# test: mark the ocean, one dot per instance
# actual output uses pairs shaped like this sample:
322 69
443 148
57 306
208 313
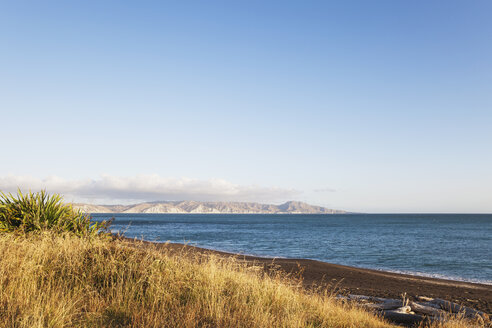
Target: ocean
452 246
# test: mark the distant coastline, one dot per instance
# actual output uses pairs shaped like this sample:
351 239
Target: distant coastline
195 207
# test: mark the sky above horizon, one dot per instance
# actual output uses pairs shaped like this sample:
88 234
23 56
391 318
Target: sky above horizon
367 106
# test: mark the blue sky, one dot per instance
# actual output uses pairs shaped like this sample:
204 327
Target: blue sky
377 106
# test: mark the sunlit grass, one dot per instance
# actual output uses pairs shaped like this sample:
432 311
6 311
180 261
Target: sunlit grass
53 280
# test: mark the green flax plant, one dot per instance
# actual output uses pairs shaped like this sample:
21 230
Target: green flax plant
31 212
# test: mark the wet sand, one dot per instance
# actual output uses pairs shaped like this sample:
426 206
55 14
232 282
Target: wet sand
350 280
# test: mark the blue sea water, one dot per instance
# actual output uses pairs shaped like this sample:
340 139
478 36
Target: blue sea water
454 246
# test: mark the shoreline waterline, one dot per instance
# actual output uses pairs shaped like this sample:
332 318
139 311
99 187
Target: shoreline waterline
455 247
415 274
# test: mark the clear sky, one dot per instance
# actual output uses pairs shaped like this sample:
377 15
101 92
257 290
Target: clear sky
375 106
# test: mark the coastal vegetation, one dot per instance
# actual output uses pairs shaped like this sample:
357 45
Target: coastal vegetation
59 269
24 213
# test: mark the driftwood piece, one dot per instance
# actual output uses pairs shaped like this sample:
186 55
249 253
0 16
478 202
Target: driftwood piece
456 308
430 304
359 297
410 313
342 298
425 299
447 305
388 305
472 313
354 297
380 299
428 310
400 317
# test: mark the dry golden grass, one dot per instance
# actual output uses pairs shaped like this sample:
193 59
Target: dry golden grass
458 323
50 280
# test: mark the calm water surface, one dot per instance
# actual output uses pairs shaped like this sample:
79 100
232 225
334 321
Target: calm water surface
453 246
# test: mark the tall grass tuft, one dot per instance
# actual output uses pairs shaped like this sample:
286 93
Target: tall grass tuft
39 211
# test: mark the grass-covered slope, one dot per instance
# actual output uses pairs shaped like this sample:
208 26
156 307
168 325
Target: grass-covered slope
53 280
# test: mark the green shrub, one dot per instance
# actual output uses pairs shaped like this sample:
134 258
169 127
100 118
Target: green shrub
40 211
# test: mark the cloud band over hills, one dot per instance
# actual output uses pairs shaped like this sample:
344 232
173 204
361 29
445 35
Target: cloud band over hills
112 189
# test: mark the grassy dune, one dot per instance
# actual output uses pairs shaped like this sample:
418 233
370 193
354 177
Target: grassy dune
58 270
53 280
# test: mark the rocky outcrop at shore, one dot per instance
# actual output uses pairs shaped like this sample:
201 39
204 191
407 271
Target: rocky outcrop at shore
291 207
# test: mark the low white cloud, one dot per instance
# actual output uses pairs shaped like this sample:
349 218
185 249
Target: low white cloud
112 189
325 190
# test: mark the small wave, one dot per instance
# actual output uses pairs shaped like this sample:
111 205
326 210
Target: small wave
436 276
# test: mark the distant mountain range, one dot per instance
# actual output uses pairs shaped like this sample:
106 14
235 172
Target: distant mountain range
292 207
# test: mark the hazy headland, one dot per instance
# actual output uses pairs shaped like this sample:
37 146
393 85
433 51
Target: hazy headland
291 207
